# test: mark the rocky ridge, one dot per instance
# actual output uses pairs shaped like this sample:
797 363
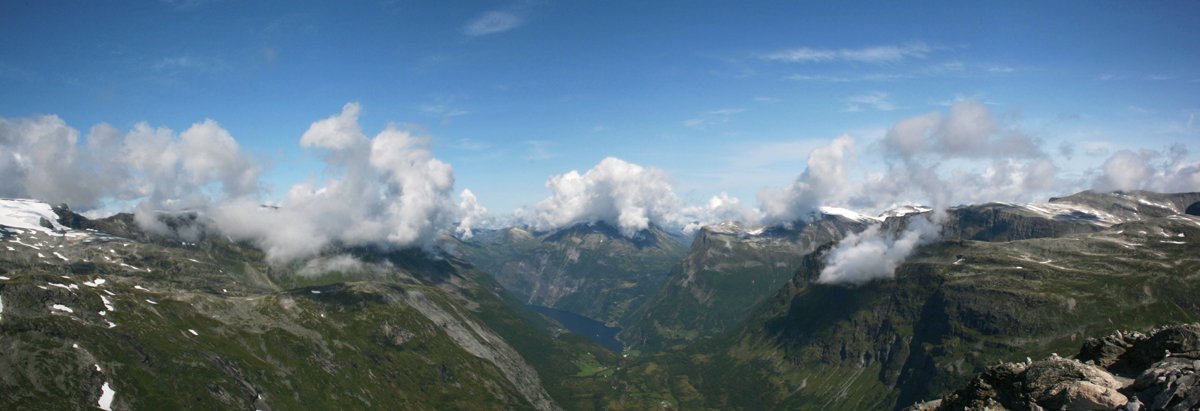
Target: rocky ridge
1125 371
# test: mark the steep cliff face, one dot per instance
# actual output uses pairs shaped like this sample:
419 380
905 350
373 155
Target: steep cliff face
589 269
954 308
92 319
728 271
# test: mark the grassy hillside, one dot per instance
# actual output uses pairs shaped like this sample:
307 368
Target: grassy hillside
954 308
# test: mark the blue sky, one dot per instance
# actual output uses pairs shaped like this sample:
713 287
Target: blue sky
723 96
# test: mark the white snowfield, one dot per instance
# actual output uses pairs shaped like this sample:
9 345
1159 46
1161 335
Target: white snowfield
850 215
28 214
1070 212
904 210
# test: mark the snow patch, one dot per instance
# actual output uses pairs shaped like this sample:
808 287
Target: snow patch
192 331
56 254
904 210
850 214
1174 242
4 278
61 307
151 302
106 397
138 287
108 305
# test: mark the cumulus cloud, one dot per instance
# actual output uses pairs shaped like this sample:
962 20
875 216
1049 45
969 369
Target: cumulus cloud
719 208
39 159
625 195
1149 170
969 130
152 166
825 178
996 162
629 197
387 190
872 255
472 215
876 54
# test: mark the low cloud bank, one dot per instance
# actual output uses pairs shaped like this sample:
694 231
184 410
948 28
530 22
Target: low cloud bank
1151 170
873 255
386 190
163 171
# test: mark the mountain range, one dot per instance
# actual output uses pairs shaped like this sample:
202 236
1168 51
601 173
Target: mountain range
101 313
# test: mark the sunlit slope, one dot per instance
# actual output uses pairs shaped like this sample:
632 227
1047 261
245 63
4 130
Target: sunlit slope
207 324
728 271
954 307
588 269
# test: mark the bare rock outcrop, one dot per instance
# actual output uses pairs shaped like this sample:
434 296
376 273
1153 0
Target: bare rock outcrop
1126 371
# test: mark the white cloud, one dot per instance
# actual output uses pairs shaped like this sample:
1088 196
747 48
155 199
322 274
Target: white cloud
719 208
874 255
877 100
153 166
877 54
1144 170
629 197
625 195
712 118
472 215
825 177
969 130
495 21
938 159
338 263
387 190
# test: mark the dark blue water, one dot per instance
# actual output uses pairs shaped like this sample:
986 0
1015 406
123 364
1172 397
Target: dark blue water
597 331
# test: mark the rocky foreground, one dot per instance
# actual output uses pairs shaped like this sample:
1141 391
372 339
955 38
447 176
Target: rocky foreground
1124 371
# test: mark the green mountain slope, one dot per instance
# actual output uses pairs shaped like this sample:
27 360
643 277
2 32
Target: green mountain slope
728 271
170 324
588 269
955 307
